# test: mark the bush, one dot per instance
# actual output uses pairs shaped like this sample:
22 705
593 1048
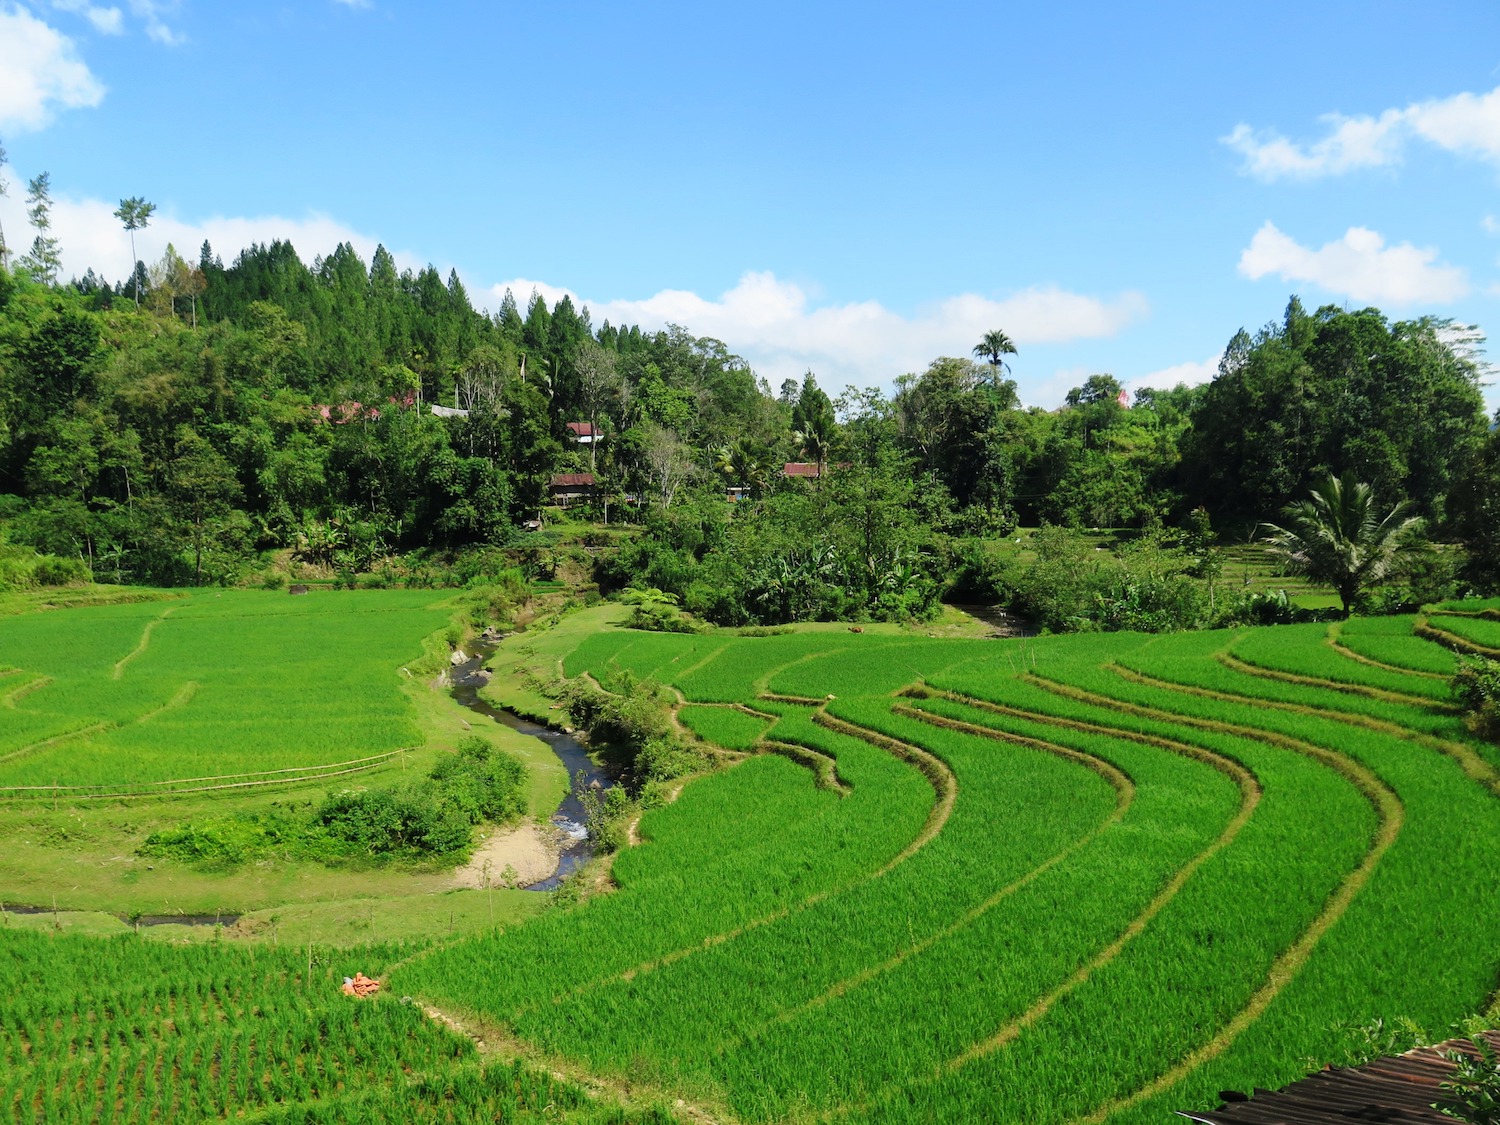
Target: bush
430 817
631 724
1477 687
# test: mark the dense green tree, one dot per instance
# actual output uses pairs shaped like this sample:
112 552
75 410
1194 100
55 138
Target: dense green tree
1476 513
954 420
1332 392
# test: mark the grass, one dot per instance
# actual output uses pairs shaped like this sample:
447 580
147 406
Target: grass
1337 819
1080 878
279 682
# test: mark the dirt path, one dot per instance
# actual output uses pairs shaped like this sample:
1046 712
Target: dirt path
119 671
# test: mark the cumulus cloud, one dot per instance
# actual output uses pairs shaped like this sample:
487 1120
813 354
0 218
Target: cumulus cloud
1359 266
1466 124
92 238
782 333
1189 374
40 72
773 323
1352 142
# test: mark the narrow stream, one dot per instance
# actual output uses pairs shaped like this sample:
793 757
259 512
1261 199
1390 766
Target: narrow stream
468 678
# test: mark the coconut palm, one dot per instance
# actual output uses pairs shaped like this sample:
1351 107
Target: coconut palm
995 346
1340 537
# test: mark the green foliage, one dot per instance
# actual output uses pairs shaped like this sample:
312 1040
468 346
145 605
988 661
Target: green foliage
1476 686
1476 514
1335 392
1472 1094
430 817
1341 536
655 611
1148 585
629 721
24 569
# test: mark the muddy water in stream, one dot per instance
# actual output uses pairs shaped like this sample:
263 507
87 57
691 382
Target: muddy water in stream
467 679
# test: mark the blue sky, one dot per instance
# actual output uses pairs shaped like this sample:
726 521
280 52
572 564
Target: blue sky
851 188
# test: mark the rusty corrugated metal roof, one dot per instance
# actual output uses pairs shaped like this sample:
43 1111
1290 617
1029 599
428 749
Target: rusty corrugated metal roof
1398 1089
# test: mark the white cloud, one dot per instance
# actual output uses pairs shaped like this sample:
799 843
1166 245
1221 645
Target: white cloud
152 12
39 72
355 3
1490 225
1188 374
1466 124
1359 266
774 325
1352 142
106 21
92 238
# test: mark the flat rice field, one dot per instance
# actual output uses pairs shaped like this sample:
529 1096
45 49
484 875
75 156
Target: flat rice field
1064 879
207 691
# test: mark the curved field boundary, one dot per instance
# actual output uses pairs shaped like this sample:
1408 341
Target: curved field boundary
794 700
937 772
823 766
1118 780
1424 628
1245 668
1338 646
1250 796
21 691
55 740
747 709
119 670
232 780
1390 815
944 784
183 697
1473 765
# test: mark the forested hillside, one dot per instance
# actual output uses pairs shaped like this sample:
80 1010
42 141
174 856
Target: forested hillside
178 427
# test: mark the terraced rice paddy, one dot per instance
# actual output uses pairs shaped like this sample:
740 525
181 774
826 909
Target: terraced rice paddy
1063 879
1066 879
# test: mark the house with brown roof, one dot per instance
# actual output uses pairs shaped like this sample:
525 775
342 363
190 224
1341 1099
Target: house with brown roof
566 488
584 433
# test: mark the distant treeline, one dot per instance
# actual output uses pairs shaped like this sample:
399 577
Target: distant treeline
172 428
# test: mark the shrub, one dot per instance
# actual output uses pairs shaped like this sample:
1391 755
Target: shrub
430 817
1477 686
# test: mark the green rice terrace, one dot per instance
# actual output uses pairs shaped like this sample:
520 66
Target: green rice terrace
1084 878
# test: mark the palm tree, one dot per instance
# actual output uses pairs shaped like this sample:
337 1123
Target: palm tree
994 347
816 442
1339 536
